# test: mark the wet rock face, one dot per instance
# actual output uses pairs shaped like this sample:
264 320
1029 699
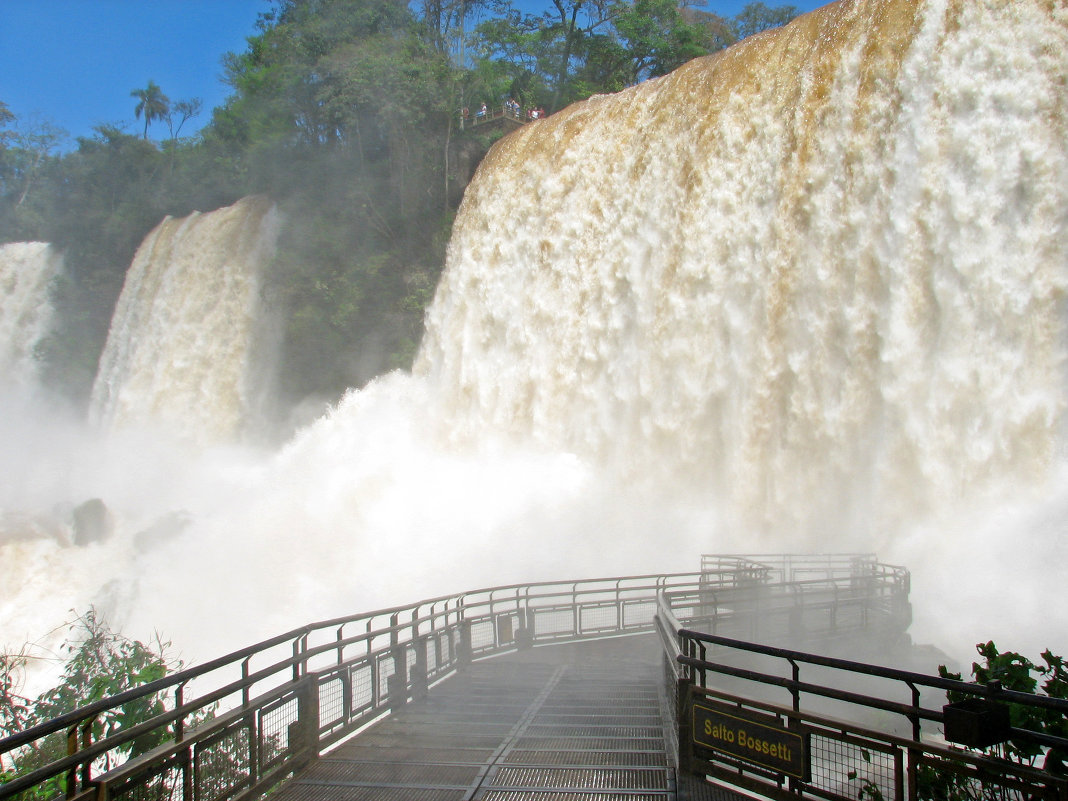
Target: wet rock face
92 522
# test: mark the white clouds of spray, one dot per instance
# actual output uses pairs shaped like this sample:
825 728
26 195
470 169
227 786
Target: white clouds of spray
803 296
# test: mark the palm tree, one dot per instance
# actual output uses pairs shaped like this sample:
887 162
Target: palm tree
153 104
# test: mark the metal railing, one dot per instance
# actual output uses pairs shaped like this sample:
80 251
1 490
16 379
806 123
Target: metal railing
513 113
237 725
866 732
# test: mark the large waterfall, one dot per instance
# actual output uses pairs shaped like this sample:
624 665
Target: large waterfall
807 294
189 341
819 277
26 272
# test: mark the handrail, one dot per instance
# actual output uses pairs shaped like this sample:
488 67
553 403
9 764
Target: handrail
326 679
879 671
515 114
694 674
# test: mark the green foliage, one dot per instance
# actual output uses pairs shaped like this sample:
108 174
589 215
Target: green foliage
152 104
345 113
757 17
99 663
1018 673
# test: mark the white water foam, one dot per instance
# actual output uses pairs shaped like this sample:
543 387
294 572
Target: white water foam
805 295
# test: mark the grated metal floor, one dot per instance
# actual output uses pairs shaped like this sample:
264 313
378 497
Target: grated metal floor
576 722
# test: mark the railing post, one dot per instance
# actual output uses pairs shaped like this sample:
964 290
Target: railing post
72 749
419 670
187 773
795 693
87 740
463 648
683 711
913 754
397 684
524 635
245 694
307 723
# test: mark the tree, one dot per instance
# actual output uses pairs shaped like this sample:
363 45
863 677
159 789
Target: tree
757 17
655 38
7 118
24 150
152 104
100 663
184 110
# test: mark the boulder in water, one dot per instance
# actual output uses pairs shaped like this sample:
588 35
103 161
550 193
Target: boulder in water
93 522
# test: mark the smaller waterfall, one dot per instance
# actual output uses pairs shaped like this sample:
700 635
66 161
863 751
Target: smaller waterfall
190 338
26 272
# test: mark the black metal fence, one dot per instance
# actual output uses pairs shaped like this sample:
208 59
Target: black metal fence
238 725
788 724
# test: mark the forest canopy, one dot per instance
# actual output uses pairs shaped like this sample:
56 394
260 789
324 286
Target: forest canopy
347 114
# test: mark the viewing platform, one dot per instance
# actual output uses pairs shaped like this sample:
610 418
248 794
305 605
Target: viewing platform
552 722
715 684
504 115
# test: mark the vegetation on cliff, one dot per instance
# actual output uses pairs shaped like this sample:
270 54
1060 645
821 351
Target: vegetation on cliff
347 114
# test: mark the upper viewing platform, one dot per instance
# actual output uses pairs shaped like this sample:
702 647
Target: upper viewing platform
692 685
508 113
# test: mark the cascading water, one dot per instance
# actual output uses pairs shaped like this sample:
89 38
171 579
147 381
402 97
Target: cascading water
26 271
819 277
803 295
187 337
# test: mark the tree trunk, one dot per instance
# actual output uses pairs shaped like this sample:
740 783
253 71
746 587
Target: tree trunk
569 40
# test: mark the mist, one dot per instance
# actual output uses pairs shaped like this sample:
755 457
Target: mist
803 296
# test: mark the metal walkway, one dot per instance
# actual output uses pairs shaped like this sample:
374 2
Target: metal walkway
547 690
580 722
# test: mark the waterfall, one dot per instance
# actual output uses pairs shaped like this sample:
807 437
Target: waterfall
190 336
818 277
806 294
26 272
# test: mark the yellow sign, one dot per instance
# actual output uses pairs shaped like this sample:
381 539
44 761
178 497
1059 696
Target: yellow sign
773 747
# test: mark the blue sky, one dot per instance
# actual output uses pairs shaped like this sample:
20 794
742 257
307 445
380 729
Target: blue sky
74 62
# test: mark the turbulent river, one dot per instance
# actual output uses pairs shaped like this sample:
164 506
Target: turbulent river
804 295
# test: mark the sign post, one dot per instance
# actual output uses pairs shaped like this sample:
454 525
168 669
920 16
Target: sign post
761 741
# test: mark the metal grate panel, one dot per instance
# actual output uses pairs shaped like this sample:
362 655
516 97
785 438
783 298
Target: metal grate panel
385 773
641 717
158 783
296 791
222 765
650 759
588 743
482 634
558 621
356 752
274 728
638 614
834 760
581 778
362 688
537 795
598 618
331 702
627 732
386 668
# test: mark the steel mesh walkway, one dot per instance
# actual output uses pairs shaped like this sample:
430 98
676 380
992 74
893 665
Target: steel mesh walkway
577 722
